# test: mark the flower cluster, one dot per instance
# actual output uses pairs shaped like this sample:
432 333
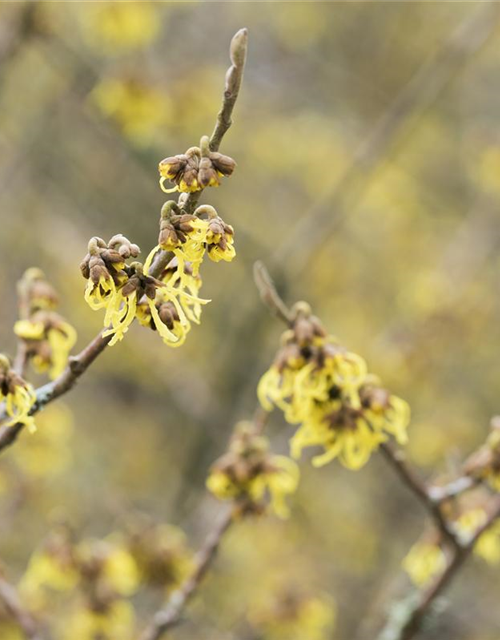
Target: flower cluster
101 573
294 615
161 554
47 336
248 471
326 389
196 169
126 290
169 303
18 395
90 582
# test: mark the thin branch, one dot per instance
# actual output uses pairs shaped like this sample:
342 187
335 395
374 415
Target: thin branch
234 77
9 597
171 614
453 489
77 365
270 297
396 459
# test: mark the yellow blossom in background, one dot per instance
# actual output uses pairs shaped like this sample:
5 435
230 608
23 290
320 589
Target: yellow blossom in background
47 573
118 27
487 546
49 452
290 616
114 568
162 555
115 622
51 339
138 109
423 562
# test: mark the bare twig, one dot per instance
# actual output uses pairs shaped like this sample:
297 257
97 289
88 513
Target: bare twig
79 364
269 295
9 597
234 76
170 615
453 489
397 460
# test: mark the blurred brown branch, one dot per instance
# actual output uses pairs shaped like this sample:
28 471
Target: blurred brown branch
396 458
170 615
9 597
18 31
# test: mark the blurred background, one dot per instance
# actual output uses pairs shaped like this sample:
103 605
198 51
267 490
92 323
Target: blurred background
368 147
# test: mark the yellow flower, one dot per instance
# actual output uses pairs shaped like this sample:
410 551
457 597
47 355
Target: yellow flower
112 564
47 572
120 313
186 283
49 340
487 546
281 481
276 388
99 294
162 555
19 396
219 236
342 434
175 303
249 472
423 562
166 315
329 393
196 169
29 330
